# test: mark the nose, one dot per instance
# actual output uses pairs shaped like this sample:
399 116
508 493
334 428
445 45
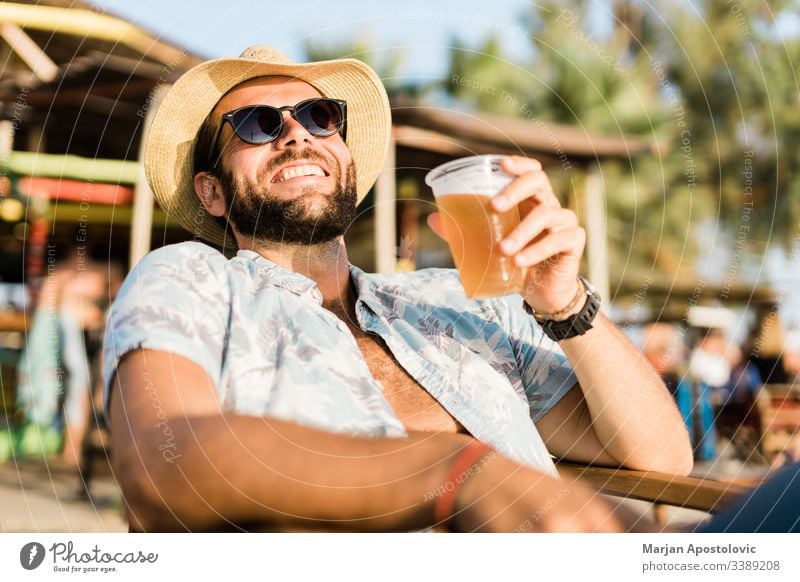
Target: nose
292 134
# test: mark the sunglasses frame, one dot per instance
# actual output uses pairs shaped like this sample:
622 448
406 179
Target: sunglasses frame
292 109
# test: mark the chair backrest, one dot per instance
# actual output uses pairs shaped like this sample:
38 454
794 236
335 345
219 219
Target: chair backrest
689 492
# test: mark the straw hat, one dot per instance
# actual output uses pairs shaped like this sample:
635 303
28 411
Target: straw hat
169 148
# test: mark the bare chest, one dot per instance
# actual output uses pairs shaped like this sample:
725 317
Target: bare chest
414 406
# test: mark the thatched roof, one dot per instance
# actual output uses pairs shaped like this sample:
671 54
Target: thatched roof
79 77
458 133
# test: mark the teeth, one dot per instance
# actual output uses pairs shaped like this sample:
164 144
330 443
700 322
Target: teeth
297 171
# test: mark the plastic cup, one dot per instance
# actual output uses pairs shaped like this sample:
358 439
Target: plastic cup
463 190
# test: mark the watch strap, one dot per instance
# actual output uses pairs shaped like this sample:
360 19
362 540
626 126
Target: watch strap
577 324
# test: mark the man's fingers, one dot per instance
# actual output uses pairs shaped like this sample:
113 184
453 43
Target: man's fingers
535 224
518 165
569 240
531 185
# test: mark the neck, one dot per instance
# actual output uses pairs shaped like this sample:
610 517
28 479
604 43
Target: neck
325 263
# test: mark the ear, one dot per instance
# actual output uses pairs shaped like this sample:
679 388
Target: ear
209 191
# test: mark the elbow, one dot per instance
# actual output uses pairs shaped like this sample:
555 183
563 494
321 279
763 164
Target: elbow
142 512
675 459
679 464
680 456
144 506
685 469
685 458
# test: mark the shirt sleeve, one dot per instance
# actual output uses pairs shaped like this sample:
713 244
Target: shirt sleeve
175 300
544 369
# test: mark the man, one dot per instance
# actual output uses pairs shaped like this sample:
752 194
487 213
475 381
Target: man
285 388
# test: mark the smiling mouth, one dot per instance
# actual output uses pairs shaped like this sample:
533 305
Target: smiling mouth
298 172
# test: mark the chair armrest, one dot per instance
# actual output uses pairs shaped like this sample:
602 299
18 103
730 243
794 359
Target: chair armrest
691 492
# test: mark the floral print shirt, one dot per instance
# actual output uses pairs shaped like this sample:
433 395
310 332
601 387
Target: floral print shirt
262 335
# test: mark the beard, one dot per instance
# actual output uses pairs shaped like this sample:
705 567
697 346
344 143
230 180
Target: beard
256 214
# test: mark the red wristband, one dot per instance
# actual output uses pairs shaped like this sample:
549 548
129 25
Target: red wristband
458 473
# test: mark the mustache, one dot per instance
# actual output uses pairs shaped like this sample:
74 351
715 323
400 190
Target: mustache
305 155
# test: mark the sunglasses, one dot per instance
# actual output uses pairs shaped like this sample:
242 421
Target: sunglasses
261 124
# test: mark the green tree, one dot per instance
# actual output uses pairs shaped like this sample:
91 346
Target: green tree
579 78
712 83
387 63
735 72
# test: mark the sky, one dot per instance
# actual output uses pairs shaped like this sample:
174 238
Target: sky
421 27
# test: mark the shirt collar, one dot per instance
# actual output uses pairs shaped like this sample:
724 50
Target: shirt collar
366 285
274 275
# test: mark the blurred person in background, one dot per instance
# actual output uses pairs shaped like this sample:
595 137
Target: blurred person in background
664 348
767 353
55 369
738 406
709 369
791 354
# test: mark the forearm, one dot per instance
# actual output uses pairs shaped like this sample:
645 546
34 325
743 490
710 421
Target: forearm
632 412
183 464
244 470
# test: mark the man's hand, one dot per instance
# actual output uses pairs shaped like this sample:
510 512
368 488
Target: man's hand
548 239
506 497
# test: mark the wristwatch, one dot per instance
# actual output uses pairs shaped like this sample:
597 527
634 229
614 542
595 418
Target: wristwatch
577 324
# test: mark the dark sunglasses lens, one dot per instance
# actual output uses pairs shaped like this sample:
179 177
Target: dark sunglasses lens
320 117
257 125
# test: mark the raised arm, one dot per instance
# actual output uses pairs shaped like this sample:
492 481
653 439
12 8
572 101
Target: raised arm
620 412
629 409
183 464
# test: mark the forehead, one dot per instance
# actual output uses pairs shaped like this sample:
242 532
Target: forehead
266 91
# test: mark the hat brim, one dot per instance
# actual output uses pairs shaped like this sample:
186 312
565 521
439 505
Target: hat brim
169 149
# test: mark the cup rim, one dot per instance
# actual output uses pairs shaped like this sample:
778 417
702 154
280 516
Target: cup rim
460 163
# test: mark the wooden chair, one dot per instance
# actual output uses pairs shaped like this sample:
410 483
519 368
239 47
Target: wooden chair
661 489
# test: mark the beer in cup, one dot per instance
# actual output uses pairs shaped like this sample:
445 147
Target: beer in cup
463 190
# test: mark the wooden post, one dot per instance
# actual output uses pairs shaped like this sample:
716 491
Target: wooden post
6 142
142 221
385 210
36 142
30 52
596 233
